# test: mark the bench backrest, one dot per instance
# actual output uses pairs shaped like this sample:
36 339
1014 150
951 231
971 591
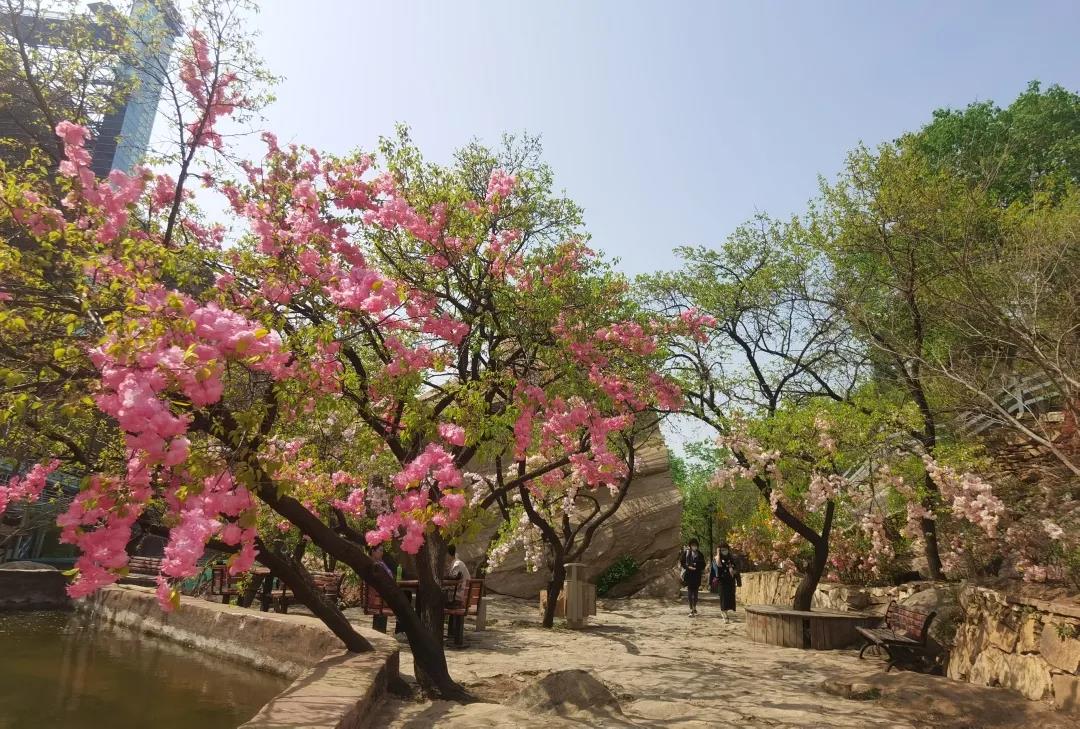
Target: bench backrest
329 583
908 622
476 591
144 565
220 579
372 601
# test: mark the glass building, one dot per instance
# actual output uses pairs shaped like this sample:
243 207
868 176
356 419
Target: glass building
124 135
143 43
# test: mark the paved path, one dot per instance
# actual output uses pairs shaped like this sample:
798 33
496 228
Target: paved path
669 670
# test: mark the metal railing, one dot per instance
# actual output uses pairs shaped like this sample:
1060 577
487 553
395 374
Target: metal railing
1023 396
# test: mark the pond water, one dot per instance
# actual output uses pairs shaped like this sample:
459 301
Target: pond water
62 671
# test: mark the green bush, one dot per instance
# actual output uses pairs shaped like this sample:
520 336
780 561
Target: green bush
623 568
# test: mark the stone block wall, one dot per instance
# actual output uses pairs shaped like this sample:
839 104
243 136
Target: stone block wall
33 588
778 588
332 688
1024 644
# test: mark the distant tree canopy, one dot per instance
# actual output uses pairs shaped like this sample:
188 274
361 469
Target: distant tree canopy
1031 145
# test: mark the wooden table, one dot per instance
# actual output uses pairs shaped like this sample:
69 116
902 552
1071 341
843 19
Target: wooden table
818 629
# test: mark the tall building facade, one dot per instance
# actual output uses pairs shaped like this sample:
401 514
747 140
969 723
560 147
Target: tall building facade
139 46
121 137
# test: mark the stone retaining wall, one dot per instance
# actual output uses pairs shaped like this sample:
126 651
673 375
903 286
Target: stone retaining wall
332 688
1024 644
778 588
33 589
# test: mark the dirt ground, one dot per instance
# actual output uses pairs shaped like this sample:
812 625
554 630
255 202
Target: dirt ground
657 667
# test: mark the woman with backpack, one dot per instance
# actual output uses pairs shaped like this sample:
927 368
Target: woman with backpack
693 569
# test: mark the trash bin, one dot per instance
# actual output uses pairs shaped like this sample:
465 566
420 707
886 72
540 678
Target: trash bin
580 596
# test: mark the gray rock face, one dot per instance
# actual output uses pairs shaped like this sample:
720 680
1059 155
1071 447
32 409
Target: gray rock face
646 527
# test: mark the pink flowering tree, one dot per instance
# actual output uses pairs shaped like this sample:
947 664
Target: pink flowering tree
486 333
755 346
421 317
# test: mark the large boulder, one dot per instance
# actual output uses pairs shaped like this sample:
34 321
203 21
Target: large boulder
646 527
572 692
944 601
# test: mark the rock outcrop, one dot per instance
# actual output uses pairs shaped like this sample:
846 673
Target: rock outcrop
646 527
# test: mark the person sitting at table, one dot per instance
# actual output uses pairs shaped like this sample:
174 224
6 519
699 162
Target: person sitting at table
378 556
458 571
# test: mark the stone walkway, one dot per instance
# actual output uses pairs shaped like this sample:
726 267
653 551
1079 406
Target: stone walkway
668 670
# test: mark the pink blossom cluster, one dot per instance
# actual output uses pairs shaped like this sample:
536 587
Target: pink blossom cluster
500 185
109 200
971 498
873 525
430 490
26 488
197 517
99 523
697 323
452 434
826 441
744 458
824 488
38 218
213 93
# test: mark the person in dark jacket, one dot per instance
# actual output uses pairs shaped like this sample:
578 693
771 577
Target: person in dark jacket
693 566
725 575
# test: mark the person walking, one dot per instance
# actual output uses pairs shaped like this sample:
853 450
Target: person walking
725 575
693 566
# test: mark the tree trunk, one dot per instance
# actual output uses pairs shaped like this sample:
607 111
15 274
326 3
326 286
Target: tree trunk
554 589
430 571
804 594
429 660
929 530
293 575
298 580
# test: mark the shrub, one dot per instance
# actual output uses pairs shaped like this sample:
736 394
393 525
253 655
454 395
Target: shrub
623 568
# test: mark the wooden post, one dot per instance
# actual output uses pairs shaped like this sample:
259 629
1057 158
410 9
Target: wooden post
481 616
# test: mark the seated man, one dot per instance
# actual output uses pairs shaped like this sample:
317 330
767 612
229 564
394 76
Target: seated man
458 571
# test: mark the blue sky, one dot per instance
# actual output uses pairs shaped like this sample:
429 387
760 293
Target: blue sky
670 122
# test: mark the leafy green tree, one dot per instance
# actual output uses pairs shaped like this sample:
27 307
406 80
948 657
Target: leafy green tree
1032 145
709 514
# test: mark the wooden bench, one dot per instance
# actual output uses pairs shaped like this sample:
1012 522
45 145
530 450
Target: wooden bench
328 583
374 606
222 584
144 565
902 635
474 593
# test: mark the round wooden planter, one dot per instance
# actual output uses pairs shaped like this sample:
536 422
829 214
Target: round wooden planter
820 630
